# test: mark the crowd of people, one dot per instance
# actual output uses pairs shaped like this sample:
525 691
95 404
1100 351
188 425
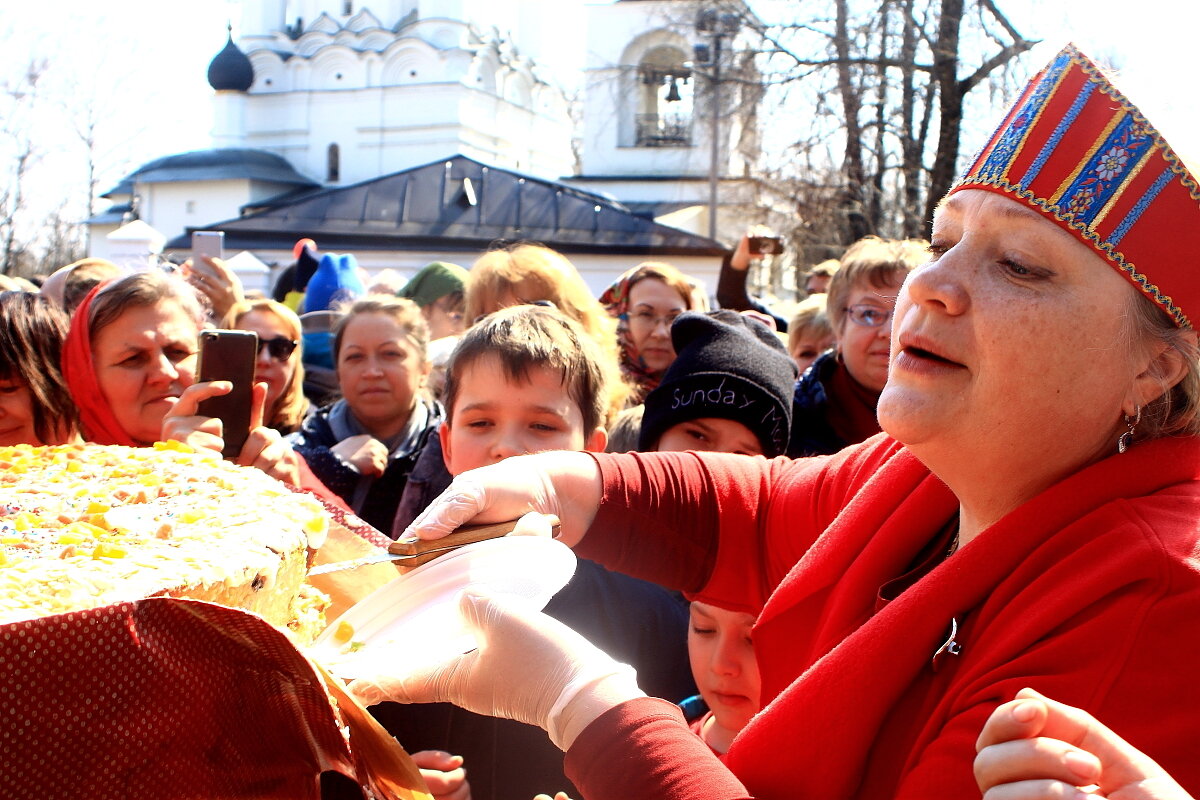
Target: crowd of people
827 550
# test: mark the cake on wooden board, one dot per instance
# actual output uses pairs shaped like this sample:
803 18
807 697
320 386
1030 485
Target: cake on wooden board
83 526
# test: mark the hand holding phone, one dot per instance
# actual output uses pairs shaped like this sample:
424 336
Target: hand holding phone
765 245
229 356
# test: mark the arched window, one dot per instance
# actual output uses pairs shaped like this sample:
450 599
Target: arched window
333 168
664 115
347 7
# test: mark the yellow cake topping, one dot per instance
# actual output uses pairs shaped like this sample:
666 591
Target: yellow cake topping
89 525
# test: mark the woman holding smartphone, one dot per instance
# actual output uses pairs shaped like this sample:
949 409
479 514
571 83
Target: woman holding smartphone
130 365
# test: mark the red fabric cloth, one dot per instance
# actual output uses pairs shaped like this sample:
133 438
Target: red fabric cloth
1089 593
96 417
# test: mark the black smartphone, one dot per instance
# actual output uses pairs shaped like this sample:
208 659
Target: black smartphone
765 245
229 356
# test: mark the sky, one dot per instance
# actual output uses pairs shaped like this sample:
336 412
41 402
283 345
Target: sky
141 66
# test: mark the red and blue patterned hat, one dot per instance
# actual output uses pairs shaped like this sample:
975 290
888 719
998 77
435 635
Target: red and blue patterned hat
1075 149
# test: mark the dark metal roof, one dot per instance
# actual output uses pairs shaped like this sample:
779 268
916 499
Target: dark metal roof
652 210
124 187
114 214
230 69
217 164
430 207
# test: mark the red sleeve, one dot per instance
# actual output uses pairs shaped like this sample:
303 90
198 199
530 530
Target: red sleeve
643 748
724 527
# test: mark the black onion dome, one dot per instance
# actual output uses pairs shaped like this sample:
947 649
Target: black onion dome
231 70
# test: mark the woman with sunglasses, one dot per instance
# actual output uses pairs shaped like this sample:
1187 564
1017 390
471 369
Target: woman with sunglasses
278 365
836 397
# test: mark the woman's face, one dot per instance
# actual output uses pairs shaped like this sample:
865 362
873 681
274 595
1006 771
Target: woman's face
380 370
16 414
1011 343
865 348
268 369
144 359
807 348
653 306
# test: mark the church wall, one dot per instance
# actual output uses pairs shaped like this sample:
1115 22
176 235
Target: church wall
173 207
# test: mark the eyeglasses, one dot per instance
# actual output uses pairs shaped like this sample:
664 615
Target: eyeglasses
648 319
869 316
280 348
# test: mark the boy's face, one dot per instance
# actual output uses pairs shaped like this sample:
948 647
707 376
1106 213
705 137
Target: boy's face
713 434
495 417
723 664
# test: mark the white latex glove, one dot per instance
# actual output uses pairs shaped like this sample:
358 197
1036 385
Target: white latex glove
565 484
528 667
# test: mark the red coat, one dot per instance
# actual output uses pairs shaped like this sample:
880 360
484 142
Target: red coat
1089 593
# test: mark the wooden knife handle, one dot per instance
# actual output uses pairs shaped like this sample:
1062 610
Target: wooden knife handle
467 534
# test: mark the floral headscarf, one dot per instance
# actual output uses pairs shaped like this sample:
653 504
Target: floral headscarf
616 300
99 423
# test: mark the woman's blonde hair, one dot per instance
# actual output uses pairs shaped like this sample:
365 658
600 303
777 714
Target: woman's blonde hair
871 261
533 272
1177 411
292 405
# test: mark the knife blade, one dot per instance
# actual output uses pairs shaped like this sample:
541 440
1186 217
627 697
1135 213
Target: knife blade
416 553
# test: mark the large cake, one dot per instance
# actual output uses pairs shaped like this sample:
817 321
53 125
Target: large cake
83 526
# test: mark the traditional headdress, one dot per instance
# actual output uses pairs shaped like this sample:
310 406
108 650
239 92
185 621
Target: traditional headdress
1076 150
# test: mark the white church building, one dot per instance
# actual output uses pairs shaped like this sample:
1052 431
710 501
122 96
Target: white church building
407 131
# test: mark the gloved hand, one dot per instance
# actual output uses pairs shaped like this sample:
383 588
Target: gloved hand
564 484
528 667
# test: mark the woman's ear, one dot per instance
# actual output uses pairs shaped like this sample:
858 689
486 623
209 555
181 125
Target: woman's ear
1166 368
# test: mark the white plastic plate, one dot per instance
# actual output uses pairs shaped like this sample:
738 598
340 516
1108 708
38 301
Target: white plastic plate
414 621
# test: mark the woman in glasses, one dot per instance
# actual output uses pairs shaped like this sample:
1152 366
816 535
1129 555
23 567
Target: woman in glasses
278 365
836 397
645 301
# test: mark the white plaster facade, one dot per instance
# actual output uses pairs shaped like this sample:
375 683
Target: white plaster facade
647 114
351 96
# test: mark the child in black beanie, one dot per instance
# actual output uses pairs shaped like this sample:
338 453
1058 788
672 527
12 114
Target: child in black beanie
729 389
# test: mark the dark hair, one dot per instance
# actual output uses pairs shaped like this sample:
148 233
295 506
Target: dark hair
528 336
32 331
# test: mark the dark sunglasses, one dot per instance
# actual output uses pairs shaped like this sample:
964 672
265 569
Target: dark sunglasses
280 348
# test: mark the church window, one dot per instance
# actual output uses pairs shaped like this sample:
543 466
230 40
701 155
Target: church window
664 91
347 7
333 168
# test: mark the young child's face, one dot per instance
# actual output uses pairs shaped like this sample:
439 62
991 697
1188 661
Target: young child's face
495 417
723 664
714 434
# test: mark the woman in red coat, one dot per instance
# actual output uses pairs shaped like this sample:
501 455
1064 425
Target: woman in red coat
1027 518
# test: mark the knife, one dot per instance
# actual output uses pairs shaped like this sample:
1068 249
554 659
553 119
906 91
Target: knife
416 553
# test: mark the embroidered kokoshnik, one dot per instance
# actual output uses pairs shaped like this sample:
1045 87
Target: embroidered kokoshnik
1076 150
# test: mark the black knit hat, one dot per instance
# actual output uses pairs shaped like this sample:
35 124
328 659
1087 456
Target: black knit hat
728 366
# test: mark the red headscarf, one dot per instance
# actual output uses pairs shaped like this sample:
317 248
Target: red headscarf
99 423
